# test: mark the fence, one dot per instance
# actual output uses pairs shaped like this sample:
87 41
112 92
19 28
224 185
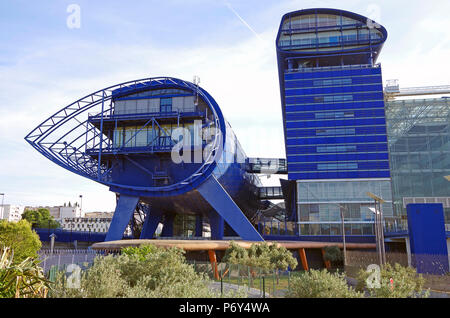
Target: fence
60 258
258 282
423 263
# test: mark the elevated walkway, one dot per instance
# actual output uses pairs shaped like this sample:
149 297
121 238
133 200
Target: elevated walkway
270 193
266 165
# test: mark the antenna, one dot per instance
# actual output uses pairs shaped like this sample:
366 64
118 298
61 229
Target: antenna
196 81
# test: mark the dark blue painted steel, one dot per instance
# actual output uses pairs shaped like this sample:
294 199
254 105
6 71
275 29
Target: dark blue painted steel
224 205
427 237
122 216
151 223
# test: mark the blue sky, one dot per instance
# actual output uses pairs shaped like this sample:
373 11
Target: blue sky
45 66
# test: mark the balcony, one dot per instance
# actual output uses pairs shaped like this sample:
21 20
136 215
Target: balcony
175 115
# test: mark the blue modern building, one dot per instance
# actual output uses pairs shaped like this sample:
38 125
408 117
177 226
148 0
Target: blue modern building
333 119
163 146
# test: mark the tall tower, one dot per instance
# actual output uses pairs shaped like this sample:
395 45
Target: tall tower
334 118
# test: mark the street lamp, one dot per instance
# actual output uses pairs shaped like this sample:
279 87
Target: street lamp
379 231
343 237
81 204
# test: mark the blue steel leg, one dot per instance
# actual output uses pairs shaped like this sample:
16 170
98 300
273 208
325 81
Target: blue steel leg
217 225
151 224
122 216
168 225
198 226
220 200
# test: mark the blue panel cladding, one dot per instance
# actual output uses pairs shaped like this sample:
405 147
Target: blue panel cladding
335 126
427 238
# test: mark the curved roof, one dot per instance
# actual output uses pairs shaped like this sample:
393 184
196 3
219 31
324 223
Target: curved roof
375 47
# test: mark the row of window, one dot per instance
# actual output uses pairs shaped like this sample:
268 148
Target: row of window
363 165
358 80
363 113
358 131
355 89
136 136
305 108
362 148
330 40
314 175
337 140
336 123
325 73
338 157
334 98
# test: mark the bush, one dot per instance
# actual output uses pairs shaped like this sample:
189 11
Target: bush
20 238
406 283
321 284
139 272
261 255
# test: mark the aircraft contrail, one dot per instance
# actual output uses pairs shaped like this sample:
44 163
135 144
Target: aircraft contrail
242 20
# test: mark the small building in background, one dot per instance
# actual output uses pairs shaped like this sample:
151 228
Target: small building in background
12 213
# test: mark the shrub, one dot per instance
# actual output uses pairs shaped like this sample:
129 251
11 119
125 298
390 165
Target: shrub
150 272
321 284
21 280
406 283
142 252
261 255
20 238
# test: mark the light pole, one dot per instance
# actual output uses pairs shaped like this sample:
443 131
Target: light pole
343 237
379 231
81 205
3 206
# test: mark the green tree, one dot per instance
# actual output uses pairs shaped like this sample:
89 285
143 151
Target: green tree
40 218
20 238
321 284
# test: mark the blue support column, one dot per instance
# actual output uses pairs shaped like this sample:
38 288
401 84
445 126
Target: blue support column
151 224
217 225
220 200
198 226
168 225
122 216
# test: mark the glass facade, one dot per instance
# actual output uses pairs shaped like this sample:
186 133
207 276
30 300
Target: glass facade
419 146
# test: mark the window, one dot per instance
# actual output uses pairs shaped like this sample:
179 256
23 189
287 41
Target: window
336 166
335 115
338 98
336 148
165 105
330 82
333 132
